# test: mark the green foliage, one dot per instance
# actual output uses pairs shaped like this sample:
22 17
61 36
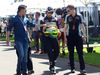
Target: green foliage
90 22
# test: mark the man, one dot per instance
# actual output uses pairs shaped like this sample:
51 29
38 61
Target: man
29 60
32 29
21 38
37 33
73 26
51 44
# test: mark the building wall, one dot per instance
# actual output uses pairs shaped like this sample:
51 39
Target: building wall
92 11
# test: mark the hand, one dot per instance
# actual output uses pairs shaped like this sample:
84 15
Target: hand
84 39
7 41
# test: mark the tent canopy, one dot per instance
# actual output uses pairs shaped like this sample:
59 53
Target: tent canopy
33 5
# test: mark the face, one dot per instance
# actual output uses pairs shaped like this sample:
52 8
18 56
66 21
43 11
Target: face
36 16
31 16
49 14
69 11
23 11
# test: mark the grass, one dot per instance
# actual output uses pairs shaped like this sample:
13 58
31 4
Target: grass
90 58
4 38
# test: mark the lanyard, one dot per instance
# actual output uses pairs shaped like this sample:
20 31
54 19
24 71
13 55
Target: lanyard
23 24
73 20
22 21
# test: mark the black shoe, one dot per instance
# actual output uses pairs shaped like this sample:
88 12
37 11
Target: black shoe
50 68
30 72
50 65
82 71
18 74
53 70
63 52
25 74
72 71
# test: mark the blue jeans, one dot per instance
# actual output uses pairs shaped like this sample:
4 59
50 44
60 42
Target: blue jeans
22 48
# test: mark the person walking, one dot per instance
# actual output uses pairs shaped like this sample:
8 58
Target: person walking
51 44
21 38
72 33
29 61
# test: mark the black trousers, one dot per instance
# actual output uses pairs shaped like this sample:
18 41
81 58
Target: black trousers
29 61
71 43
52 49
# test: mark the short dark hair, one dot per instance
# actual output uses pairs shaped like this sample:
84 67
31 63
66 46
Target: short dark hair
59 11
38 13
71 7
21 7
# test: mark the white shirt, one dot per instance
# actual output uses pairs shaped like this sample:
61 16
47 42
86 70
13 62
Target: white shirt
38 23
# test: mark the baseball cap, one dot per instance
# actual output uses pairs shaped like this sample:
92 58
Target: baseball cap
49 9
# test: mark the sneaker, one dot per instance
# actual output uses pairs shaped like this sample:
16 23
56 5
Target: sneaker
42 52
36 51
82 71
53 70
72 71
30 72
63 52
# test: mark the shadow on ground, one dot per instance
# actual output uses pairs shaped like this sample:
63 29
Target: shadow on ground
63 65
9 49
2 42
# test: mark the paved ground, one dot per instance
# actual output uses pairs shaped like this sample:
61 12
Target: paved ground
8 61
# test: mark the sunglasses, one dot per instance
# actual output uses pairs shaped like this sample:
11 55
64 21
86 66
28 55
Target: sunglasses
50 12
